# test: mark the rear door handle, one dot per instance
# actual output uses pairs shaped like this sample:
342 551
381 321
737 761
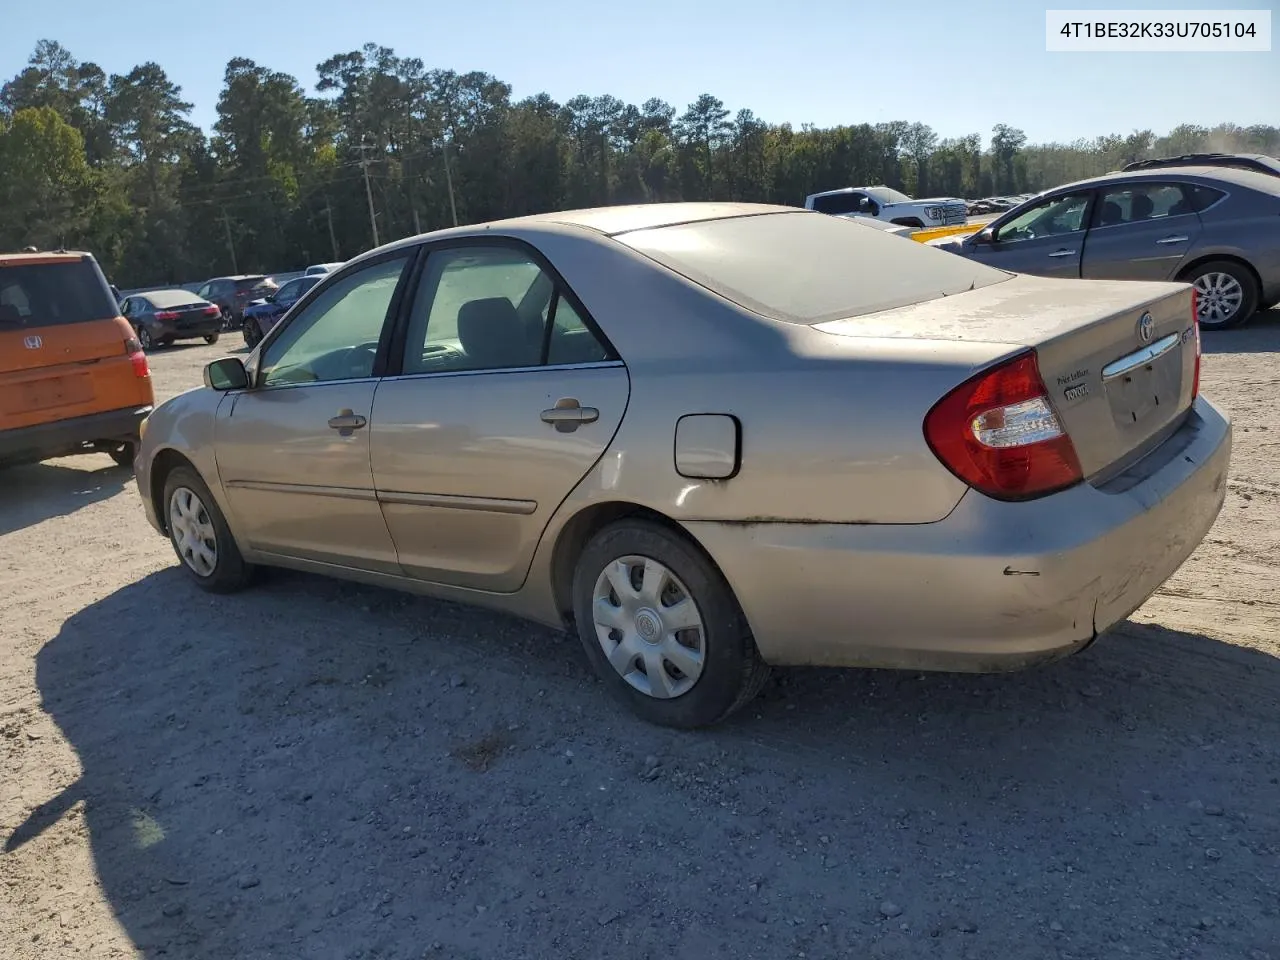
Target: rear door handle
347 421
567 415
1062 253
1173 240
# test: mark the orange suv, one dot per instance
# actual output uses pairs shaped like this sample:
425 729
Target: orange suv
73 377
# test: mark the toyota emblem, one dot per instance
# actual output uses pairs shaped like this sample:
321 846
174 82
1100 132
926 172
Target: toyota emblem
1146 327
33 343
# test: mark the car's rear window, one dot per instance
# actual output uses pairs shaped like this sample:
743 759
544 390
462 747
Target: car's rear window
172 298
248 283
50 294
807 267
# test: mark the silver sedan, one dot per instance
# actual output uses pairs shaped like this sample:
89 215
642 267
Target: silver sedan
710 438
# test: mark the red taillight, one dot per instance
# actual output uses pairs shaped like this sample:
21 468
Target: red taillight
137 358
211 311
1195 325
998 433
166 315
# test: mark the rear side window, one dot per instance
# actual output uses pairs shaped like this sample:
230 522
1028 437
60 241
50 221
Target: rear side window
51 294
250 282
808 268
1201 197
837 203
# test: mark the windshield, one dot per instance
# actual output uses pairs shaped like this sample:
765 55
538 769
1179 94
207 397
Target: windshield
807 268
888 195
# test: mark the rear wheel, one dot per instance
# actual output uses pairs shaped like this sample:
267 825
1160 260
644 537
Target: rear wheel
145 340
212 338
1226 293
662 628
200 535
252 334
122 453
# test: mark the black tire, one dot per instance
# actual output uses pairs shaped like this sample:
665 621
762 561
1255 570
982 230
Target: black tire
145 340
252 333
911 222
212 338
1248 285
732 671
122 453
229 572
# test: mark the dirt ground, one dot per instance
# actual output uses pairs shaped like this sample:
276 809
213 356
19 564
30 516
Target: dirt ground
317 770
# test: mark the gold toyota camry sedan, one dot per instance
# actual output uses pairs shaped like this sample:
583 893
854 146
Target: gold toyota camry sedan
710 438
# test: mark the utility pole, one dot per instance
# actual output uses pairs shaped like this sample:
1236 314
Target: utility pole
231 247
453 209
368 192
333 237
417 225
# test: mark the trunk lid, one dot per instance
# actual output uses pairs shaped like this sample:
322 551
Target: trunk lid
1117 357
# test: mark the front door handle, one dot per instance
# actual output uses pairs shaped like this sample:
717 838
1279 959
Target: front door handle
567 415
1173 240
1062 253
347 421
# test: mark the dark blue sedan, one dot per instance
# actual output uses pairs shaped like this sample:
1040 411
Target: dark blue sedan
261 315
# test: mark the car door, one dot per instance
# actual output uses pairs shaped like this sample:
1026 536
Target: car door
1140 231
1046 239
293 450
507 394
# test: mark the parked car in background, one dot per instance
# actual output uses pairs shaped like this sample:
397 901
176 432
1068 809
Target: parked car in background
233 294
320 268
892 206
562 416
1257 162
73 377
161 317
261 315
1217 228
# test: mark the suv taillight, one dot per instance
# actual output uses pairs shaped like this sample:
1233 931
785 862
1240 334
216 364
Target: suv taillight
139 359
1195 325
998 433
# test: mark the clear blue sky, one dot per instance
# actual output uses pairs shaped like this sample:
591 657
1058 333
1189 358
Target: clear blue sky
960 67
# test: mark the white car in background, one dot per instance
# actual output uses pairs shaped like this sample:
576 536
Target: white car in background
319 268
891 206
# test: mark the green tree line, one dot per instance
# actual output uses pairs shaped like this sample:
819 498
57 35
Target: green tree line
112 163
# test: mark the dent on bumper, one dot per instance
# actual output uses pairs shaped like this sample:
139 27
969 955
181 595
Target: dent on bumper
995 586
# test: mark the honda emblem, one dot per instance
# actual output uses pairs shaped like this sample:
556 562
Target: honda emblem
33 343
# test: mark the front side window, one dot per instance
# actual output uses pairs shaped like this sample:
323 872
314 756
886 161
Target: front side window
492 308
838 203
336 336
1050 218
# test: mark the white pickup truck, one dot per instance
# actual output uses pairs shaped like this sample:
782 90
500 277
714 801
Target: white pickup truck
885 203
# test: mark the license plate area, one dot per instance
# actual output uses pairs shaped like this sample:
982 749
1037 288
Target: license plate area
1145 384
56 392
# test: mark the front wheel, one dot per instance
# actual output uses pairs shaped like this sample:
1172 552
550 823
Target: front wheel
200 535
212 338
1226 294
912 222
662 628
122 453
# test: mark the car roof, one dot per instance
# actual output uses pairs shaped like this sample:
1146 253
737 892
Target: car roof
48 256
604 221
1232 175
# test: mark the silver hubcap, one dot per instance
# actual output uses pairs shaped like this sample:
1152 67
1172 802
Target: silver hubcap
192 532
649 627
1218 297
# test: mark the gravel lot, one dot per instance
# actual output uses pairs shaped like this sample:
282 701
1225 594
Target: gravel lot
317 770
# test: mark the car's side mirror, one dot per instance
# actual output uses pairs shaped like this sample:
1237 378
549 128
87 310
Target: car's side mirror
983 236
225 374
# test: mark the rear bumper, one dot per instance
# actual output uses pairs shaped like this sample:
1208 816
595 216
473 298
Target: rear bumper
62 437
186 331
995 586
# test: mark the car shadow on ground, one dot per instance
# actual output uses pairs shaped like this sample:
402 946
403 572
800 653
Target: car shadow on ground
320 769
36 492
1260 335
